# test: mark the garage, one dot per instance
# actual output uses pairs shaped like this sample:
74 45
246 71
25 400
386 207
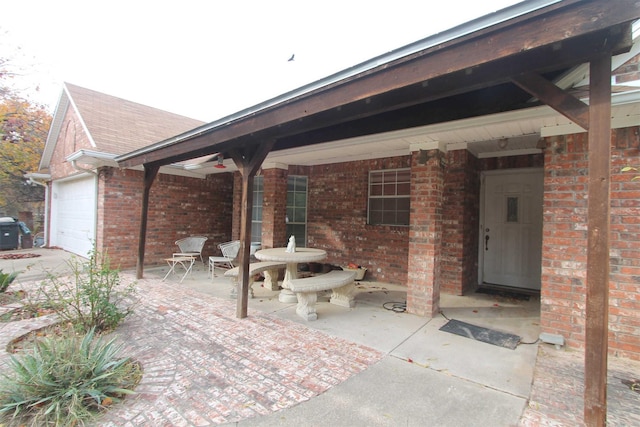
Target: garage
73 214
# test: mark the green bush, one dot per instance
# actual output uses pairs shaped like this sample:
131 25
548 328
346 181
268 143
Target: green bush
65 381
6 279
92 298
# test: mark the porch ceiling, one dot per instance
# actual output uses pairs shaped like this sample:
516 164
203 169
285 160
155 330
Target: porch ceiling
483 136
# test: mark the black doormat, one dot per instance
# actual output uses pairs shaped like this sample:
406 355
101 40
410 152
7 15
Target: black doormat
478 333
504 293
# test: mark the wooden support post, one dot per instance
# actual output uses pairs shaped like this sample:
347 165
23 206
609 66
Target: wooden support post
248 159
150 173
597 304
245 245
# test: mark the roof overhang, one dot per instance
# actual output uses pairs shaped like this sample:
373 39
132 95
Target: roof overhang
37 176
460 74
93 159
54 130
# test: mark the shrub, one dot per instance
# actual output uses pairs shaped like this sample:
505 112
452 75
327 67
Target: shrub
93 297
65 381
6 279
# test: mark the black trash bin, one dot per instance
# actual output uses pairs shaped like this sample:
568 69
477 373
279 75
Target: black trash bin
9 235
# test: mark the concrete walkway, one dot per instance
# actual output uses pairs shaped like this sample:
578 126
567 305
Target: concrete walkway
366 366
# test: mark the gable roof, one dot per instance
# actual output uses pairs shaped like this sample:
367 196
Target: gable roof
114 125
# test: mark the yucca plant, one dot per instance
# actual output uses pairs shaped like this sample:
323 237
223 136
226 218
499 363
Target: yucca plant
6 279
65 381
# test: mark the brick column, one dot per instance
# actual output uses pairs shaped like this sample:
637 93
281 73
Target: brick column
274 206
237 206
461 204
425 232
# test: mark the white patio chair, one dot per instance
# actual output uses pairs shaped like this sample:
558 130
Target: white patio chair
191 246
229 253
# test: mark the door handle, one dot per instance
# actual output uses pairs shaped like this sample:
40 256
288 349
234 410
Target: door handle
486 243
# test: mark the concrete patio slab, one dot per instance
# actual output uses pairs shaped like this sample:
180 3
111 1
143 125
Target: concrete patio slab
396 393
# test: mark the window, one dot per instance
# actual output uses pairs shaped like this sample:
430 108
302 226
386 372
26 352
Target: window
389 197
297 209
256 212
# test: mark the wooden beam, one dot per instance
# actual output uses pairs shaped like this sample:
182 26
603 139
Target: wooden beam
150 173
561 101
597 303
248 160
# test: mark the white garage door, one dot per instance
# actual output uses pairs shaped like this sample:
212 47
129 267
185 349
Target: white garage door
73 215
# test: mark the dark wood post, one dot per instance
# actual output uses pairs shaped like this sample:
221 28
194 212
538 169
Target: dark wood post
150 173
248 159
597 308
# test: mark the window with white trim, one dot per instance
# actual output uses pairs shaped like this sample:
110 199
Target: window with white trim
256 211
389 197
297 209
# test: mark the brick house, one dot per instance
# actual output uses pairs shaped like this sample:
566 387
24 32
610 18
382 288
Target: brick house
92 200
441 194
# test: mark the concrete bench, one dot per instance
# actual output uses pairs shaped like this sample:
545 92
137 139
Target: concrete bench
306 289
270 270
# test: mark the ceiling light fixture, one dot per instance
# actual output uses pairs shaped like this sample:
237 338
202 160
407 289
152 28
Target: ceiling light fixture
220 160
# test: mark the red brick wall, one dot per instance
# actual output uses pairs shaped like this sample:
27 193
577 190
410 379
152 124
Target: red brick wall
71 139
564 245
274 208
178 207
459 263
564 252
624 296
425 234
337 220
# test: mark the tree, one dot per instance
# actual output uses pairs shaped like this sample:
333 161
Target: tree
23 132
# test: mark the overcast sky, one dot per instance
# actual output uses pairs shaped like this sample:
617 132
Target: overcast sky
207 59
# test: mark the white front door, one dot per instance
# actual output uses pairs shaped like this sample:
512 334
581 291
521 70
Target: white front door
511 245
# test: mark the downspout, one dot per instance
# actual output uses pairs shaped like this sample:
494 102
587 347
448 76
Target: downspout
46 208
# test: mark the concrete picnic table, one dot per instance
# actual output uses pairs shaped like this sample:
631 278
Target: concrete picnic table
292 259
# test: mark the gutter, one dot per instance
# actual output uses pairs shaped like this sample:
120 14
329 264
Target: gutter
101 159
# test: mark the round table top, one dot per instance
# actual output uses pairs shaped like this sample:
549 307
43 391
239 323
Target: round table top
300 255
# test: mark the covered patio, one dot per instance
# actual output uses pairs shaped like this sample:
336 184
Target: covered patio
509 62
379 321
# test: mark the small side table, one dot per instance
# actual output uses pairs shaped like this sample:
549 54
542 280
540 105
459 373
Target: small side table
186 261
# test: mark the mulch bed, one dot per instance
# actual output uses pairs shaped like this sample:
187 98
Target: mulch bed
11 313
19 256
28 341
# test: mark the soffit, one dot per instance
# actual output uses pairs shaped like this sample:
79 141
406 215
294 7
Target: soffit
481 136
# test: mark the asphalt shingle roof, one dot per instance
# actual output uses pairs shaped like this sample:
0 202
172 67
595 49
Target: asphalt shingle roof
118 126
